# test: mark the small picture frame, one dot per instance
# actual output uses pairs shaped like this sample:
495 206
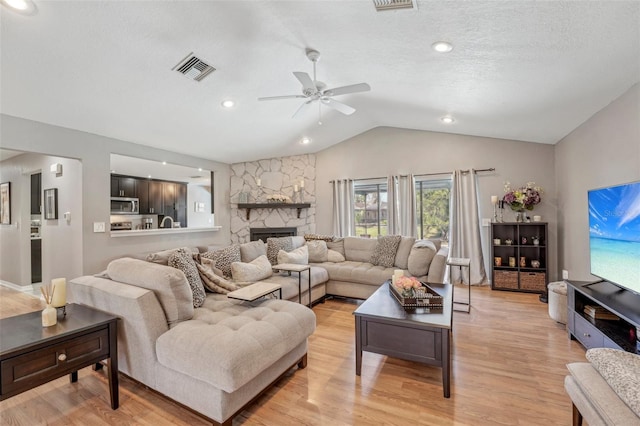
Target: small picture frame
51 203
5 203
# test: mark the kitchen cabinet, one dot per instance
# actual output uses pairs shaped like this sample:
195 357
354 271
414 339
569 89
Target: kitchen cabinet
150 195
123 186
174 198
36 260
36 191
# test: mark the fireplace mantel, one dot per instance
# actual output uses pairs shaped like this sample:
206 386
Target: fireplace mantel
249 206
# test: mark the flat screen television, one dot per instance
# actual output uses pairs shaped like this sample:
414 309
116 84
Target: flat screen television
614 234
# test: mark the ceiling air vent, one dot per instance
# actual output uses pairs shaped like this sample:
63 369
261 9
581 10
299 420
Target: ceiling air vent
194 68
394 4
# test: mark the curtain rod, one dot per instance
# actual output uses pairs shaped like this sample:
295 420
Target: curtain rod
492 169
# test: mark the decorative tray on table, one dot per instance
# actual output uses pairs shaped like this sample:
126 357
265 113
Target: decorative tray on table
424 297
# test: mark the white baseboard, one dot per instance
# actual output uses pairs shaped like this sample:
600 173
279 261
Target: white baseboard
21 288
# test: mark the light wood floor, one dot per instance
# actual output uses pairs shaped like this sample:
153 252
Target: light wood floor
508 369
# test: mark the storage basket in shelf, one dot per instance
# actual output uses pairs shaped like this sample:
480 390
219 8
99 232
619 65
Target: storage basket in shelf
426 297
505 279
532 281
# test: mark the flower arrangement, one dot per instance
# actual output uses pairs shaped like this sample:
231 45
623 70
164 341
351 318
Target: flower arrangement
523 198
407 285
278 198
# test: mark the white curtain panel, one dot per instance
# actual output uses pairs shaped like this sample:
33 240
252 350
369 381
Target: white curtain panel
343 208
465 227
393 216
407 206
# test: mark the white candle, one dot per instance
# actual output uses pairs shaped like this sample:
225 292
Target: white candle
302 183
295 188
494 199
259 182
397 273
60 292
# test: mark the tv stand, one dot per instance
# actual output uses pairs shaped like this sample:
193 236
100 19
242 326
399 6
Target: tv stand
598 333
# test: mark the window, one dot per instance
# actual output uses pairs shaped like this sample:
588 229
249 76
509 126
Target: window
432 204
370 208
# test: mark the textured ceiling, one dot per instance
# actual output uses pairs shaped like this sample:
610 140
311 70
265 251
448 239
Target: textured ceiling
523 70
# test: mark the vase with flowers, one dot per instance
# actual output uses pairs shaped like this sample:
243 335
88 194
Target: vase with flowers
523 198
407 286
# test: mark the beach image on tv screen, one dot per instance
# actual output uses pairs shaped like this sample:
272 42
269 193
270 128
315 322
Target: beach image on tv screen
614 234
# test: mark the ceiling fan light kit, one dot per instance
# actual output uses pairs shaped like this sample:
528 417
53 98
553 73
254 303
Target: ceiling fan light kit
316 91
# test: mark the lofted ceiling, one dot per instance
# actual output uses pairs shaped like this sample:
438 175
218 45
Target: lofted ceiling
522 70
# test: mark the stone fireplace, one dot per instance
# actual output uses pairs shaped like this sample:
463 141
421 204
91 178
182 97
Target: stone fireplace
256 234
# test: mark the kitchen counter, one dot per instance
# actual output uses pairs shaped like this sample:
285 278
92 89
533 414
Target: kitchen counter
162 231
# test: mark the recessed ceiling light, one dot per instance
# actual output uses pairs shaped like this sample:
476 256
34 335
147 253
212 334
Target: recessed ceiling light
447 119
22 6
164 163
228 103
149 176
305 141
442 46
199 169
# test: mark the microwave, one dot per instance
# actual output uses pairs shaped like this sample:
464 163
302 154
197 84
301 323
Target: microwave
125 205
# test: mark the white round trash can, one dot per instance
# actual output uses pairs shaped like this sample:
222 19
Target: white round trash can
558 301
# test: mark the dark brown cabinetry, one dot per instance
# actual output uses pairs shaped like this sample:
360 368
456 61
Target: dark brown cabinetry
150 195
174 196
36 260
36 190
123 186
519 256
603 333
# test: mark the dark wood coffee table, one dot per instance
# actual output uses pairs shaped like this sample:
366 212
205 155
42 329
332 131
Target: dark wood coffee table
385 327
31 355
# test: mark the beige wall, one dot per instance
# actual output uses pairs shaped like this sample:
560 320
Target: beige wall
603 151
94 153
383 151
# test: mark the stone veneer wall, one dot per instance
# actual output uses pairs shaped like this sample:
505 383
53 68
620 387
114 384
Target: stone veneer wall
278 176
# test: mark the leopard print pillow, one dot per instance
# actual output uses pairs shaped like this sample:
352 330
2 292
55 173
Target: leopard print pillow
224 258
274 245
183 260
384 253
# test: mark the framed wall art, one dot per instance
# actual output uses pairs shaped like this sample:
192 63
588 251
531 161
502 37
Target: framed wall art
5 203
51 203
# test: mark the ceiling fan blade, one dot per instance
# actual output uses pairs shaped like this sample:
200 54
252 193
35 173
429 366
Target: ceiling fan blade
339 106
306 81
343 90
302 107
271 98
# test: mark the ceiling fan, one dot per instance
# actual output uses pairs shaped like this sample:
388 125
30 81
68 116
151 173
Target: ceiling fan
316 91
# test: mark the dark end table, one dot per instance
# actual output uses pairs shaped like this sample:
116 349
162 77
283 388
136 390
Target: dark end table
31 355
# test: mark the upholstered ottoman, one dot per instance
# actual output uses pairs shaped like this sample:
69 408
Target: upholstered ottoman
558 301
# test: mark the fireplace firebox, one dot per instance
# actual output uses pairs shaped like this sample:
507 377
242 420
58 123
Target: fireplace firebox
256 234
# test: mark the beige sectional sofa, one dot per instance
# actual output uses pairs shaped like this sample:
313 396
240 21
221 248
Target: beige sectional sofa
217 358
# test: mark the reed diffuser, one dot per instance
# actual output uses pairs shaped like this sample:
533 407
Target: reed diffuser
49 314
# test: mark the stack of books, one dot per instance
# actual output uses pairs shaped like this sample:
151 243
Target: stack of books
598 312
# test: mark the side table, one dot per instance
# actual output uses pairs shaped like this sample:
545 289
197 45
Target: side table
255 291
461 262
292 267
31 355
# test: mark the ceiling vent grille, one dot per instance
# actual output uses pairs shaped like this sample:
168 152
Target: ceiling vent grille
394 4
194 68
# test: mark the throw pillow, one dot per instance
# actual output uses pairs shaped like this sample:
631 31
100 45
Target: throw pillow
420 257
334 256
256 270
621 370
317 251
212 281
274 245
404 249
384 254
311 237
299 256
252 250
337 244
162 257
183 260
224 257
